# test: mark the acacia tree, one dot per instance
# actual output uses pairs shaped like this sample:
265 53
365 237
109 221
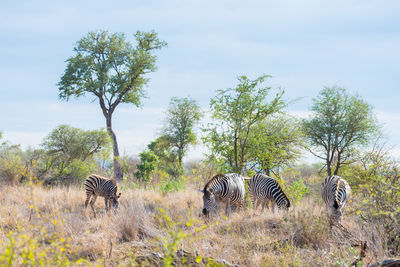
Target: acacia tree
182 116
235 111
65 144
107 67
341 123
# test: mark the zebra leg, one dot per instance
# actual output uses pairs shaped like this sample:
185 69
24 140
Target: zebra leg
92 204
256 203
273 206
88 196
106 202
263 206
228 208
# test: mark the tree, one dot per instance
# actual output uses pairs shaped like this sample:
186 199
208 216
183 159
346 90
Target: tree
66 144
182 116
107 67
235 111
167 157
274 143
147 165
341 123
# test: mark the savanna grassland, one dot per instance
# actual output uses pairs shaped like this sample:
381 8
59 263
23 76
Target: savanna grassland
42 226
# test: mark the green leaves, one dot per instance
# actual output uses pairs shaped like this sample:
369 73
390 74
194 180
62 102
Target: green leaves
341 124
108 67
182 116
235 111
147 165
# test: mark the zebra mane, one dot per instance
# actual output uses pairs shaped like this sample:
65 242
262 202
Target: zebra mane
337 190
212 180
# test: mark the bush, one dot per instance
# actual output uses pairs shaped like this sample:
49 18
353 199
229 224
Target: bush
296 191
375 179
172 185
11 164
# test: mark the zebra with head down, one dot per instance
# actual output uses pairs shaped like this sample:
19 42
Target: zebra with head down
96 185
264 188
335 192
226 188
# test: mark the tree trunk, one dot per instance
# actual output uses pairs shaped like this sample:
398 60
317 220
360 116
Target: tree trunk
117 166
328 167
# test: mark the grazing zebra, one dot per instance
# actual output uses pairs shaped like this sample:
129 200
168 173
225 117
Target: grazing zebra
228 188
335 191
264 188
96 185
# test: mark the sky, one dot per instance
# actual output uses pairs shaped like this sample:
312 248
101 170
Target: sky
304 45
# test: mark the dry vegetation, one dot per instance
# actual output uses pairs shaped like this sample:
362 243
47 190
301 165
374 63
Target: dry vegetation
40 226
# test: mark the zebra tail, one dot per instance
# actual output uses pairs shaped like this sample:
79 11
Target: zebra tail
335 204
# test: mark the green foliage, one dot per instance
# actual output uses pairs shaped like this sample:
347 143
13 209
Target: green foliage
168 159
65 144
11 163
147 165
274 143
68 153
375 180
108 67
172 185
182 116
235 111
296 191
341 124
176 236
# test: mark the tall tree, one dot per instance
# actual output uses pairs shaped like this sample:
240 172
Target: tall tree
182 116
107 67
341 123
234 112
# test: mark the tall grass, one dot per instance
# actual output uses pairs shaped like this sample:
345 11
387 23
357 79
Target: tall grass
48 227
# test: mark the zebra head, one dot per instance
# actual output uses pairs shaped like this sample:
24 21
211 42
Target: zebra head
114 200
209 201
285 204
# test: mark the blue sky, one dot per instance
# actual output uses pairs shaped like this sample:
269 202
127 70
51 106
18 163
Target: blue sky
304 45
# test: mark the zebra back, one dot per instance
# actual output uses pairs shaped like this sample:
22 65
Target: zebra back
264 187
226 186
335 192
100 186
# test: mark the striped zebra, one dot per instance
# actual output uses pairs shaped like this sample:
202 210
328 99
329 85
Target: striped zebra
228 189
335 191
264 189
96 185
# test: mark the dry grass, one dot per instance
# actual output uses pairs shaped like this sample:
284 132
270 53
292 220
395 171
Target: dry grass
149 222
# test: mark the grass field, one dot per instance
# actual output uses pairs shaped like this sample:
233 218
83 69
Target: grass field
48 226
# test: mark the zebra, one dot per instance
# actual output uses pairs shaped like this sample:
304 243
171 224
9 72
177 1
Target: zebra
335 191
264 188
228 188
96 185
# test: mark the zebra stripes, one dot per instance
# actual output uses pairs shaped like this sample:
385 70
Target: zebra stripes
335 191
96 185
228 188
264 188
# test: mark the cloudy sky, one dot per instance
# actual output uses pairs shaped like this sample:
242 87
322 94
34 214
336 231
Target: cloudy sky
304 45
